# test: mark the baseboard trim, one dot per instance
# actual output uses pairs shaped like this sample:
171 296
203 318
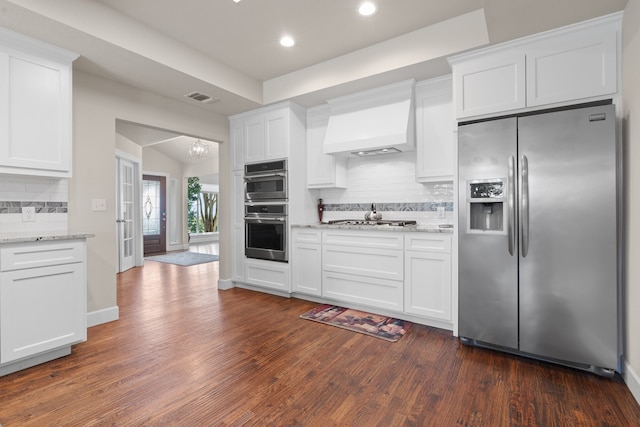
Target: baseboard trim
105 315
225 284
632 380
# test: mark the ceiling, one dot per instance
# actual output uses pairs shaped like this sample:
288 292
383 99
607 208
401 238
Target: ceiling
230 51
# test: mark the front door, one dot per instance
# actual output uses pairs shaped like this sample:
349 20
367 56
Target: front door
154 214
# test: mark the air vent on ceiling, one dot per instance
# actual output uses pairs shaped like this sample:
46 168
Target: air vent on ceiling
201 97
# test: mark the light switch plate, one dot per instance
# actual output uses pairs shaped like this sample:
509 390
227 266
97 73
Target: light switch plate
440 211
98 205
28 214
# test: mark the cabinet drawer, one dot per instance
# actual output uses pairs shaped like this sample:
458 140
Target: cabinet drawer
30 255
369 291
428 242
307 235
365 239
268 274
381 263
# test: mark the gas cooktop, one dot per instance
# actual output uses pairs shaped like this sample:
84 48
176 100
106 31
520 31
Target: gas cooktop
395 223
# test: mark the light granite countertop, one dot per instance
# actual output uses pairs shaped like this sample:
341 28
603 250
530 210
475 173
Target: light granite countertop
18 237
424 228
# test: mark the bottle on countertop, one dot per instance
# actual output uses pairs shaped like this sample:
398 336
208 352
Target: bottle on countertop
320 209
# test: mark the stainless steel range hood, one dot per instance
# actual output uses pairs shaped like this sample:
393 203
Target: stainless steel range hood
371 121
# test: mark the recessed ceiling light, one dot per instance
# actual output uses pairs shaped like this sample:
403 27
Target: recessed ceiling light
287 41
367 8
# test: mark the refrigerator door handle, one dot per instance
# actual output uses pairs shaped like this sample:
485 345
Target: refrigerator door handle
511 202
524 205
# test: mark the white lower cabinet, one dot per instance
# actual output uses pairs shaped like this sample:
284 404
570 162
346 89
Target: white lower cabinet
428 276
363 290
400 273
363 268
306 261
43 299
267 274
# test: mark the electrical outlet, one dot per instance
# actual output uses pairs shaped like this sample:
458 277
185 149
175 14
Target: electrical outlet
440 211
28 214
98 205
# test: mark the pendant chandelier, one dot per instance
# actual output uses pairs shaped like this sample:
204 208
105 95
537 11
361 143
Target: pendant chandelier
198 149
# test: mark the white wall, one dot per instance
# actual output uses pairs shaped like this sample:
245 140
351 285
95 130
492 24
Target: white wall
97 105
631 150
128 147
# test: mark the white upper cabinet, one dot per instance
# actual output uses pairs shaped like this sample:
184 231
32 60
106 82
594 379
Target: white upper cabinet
266 135
276 142
575 63
323 170
254 136
578 65
490 83
435 126
35 107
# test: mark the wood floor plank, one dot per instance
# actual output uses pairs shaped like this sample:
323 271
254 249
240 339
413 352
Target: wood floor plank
185 354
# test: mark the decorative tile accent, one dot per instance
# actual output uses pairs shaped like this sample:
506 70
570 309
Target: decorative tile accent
389 207
11 207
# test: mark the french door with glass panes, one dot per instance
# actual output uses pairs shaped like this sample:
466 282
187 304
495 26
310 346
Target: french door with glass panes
126 220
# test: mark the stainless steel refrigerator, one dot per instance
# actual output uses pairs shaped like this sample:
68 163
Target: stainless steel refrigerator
539 236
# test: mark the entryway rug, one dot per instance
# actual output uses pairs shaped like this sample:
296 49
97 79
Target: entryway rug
387 328
184 258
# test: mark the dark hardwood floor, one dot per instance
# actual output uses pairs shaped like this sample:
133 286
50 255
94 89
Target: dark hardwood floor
185 354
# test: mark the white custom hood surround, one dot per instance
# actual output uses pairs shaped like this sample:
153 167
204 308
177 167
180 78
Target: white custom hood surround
372 121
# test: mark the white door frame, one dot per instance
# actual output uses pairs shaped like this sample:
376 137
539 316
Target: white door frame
137 208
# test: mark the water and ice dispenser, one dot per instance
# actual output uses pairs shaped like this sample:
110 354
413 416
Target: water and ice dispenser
486 210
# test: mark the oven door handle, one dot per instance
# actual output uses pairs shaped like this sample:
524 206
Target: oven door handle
263 220
264 175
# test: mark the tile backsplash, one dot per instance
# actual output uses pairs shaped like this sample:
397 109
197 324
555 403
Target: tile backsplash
49 197
388 181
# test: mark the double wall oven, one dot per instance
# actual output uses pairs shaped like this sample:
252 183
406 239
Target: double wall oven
265 210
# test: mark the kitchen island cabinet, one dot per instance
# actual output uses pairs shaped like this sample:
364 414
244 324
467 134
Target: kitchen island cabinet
43 300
